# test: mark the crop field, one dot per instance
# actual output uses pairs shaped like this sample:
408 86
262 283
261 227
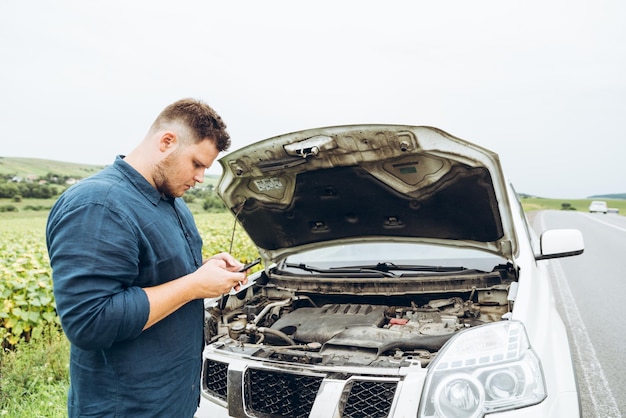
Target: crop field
25 284
26 278
34 363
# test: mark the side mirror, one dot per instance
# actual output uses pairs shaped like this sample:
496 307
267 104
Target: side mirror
557 243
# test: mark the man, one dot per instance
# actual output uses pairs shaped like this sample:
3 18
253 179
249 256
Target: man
128 272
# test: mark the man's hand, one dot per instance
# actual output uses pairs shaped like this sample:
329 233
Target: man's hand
217 276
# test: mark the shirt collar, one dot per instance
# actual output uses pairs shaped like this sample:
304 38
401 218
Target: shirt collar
139 181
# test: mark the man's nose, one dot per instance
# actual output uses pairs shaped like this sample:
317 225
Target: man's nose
199 176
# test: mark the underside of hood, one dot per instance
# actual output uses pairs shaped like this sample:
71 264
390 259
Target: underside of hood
367 182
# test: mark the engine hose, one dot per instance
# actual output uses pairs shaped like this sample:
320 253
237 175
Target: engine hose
277 333
267 308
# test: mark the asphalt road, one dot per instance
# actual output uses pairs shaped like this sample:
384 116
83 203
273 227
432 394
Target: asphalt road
589 290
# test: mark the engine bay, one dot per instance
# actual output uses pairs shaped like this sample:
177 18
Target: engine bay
355 328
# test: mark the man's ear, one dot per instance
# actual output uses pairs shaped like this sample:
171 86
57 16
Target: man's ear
168 141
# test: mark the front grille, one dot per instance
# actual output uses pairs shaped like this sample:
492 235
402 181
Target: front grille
215 378
272 394
269 393
369 399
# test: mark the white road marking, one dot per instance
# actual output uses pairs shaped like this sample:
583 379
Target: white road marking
592 375
595 218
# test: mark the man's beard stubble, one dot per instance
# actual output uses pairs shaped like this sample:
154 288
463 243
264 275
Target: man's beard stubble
162 173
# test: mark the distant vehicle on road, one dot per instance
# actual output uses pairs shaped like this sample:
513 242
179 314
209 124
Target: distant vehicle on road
612 210
598 206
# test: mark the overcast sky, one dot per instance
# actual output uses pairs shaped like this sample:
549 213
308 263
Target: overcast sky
542 83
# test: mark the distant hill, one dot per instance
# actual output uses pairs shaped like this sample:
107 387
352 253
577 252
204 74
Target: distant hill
36 167
609 196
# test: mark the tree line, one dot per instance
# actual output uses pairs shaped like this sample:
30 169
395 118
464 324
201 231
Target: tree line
52 185
14 190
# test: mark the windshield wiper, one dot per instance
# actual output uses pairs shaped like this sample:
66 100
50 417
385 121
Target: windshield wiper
388 267
342 270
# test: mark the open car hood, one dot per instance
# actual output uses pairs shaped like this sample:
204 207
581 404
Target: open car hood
356 183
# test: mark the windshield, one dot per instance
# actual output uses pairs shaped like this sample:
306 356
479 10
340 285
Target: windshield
395 253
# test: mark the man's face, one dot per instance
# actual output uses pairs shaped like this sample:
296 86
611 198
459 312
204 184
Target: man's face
184 167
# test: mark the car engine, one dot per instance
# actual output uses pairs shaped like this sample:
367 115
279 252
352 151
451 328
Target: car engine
352 330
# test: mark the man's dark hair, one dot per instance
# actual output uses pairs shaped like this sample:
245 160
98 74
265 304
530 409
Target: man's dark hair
203 121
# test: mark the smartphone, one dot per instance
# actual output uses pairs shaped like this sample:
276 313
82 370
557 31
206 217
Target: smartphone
251 264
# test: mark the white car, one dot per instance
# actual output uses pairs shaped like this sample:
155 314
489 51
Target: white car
401 279
598 206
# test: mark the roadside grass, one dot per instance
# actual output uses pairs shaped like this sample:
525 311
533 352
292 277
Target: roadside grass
581 205
35 376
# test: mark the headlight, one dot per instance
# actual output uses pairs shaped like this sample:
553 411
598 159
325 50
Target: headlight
485 369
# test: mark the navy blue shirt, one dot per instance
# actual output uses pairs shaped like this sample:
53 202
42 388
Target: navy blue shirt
109 236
